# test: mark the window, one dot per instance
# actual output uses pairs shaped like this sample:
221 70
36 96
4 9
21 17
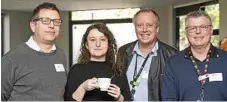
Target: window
104 14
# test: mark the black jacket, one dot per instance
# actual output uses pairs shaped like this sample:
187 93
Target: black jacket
156 68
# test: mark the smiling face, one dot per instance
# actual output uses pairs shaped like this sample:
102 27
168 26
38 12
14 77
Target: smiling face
146 27
45 33
199 31
97 45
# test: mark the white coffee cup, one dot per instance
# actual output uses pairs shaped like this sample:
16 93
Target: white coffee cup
103 83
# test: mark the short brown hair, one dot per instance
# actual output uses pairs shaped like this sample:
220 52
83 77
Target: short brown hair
45 5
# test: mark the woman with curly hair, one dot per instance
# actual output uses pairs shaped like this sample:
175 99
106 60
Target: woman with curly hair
97 60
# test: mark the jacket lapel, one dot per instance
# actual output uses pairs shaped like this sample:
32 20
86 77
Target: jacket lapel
153 73
153 69
129 54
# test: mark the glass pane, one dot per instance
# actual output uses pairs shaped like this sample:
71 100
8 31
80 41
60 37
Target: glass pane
215 40
104 14
182 40
82 15
78 31
213 11
123 32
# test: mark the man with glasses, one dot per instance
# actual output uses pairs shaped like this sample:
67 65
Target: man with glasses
36 70
199 72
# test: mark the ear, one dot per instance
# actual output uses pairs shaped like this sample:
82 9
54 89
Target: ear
32 26
157 30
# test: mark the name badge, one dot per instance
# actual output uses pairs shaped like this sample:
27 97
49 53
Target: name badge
145 74
215 77
202 77
59 68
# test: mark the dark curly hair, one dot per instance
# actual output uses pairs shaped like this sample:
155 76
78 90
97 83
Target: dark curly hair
111 54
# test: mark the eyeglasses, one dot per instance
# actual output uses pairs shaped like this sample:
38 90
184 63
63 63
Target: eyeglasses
46 21
193 29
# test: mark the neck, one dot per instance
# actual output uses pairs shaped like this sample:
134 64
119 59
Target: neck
98 59
146 48
200 53
45 47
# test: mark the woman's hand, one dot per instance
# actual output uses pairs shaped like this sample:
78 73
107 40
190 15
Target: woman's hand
115 92
89 84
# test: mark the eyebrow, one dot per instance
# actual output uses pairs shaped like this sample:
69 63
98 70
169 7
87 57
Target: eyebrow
47 17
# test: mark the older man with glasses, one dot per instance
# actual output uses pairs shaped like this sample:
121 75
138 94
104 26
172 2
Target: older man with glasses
36 70
198 73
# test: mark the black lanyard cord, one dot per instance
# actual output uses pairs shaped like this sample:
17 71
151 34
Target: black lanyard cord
136 75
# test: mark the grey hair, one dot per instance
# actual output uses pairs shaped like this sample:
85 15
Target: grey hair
196 14
147 10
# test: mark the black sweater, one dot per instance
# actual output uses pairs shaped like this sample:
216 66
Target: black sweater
81 72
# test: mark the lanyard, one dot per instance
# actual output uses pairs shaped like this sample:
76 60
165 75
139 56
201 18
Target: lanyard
202 80
136 75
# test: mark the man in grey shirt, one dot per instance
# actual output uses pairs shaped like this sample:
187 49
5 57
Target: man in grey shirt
36 70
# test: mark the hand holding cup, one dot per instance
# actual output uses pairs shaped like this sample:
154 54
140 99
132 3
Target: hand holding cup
89 84
114 91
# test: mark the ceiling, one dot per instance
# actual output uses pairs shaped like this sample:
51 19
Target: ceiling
68 5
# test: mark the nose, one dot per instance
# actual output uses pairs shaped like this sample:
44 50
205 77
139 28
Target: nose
97 43
198 30
51 25
144 28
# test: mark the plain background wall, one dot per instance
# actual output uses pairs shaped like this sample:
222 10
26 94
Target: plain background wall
63 40
167 22
19 29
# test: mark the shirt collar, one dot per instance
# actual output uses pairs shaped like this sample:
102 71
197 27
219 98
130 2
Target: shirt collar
32 44
153 51
213 53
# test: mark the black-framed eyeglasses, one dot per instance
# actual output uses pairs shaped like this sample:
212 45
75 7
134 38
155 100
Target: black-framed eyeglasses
46 21
193 29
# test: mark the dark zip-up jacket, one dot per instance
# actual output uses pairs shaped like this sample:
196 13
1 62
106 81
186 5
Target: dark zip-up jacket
156 68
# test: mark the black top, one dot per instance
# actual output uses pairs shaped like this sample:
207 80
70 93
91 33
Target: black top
81 72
